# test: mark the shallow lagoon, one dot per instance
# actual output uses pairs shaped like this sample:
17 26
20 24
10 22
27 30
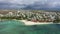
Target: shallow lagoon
16 27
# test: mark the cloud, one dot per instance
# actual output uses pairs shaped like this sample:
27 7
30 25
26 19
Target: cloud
48 3
34 3
19 1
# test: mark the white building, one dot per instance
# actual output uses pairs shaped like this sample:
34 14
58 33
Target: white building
10 14
1 15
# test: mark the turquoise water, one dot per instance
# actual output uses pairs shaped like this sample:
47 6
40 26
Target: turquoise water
16 27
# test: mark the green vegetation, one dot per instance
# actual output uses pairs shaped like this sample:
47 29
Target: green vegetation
57 20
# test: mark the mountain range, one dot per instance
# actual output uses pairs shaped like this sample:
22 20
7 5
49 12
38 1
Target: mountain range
34 6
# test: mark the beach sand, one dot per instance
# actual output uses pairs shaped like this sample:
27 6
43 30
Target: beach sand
34 23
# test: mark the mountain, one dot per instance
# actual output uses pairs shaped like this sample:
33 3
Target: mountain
34 6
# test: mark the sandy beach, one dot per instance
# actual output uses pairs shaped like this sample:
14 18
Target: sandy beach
34 23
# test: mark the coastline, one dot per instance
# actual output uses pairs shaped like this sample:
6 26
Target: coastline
34 23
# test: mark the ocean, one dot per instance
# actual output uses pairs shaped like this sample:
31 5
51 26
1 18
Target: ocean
17 27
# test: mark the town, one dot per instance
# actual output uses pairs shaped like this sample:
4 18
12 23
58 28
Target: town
31 15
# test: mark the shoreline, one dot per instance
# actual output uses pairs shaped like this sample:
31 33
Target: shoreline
35 23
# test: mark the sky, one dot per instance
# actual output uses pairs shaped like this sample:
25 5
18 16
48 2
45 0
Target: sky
24 3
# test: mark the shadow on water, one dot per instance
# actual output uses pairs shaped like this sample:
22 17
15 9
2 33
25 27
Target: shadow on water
14 27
